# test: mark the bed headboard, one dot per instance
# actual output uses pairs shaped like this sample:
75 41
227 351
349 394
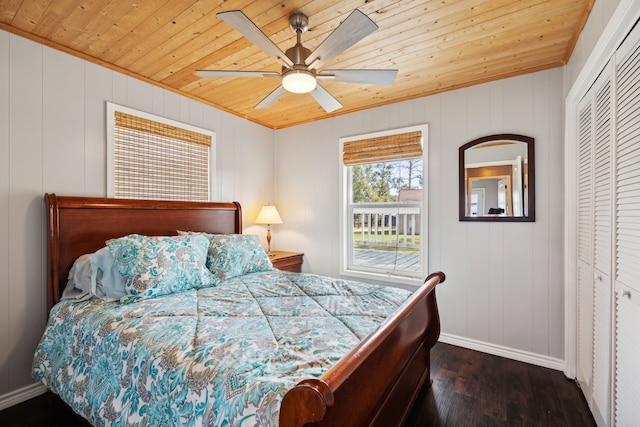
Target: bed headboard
81 225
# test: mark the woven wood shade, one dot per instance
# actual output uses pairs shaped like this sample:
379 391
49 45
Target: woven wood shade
154 160
400 146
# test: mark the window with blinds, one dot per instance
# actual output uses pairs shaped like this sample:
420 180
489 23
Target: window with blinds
151 157
384 205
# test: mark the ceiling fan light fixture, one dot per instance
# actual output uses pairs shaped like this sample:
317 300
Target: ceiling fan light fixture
299 81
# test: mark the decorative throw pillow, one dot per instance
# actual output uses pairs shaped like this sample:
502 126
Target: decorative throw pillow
208 236
232 255
153 266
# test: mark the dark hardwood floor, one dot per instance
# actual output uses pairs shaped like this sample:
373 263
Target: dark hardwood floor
476 389
469 389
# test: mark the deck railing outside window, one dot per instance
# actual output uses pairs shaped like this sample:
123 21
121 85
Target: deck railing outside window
387 235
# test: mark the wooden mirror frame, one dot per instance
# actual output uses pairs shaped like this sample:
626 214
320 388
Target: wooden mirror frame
531 205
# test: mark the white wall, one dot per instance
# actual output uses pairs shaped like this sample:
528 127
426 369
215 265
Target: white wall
504 288
599 16
53 139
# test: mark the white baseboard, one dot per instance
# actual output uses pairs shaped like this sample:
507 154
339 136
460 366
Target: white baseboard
21 395
509 353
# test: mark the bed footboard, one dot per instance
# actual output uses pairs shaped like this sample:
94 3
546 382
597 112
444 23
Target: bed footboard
377 383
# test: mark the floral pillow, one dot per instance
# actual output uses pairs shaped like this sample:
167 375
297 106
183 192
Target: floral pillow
232 255
154 266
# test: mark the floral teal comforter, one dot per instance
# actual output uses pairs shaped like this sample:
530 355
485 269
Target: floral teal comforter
220 356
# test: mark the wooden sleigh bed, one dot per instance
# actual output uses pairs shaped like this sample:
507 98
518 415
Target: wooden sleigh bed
375 384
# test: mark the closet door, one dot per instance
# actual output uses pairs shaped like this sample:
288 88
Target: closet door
602 219
594 247
627 379
627 232
585 246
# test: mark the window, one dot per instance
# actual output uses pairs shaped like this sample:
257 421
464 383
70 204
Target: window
150 157
384 226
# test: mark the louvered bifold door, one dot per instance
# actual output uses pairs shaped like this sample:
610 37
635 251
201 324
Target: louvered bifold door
602 285
627 231
627 379
585 246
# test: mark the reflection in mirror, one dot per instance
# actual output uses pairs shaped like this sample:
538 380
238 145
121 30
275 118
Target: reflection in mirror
497 179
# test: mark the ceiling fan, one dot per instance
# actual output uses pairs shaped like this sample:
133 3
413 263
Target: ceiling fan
302 68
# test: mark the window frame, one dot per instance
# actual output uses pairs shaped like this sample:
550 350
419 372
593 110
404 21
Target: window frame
346 243
112 108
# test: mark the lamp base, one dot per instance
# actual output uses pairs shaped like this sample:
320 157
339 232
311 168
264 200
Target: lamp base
269 253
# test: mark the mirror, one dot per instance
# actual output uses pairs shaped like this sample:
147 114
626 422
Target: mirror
496 179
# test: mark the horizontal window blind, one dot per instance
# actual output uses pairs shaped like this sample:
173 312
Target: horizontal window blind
401 146
154 160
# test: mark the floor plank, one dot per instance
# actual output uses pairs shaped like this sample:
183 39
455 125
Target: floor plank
469 388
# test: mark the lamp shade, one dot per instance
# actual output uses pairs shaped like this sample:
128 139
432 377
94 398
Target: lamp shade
268 215
299 81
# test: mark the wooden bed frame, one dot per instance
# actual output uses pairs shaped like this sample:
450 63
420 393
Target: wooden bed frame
374 385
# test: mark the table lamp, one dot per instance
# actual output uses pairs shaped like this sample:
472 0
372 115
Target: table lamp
269 215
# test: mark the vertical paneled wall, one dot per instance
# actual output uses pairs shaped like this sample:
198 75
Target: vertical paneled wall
504 283
53 139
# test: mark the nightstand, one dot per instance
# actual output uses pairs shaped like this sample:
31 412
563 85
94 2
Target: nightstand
287 261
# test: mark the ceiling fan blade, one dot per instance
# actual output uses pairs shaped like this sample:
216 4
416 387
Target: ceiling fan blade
241 23
371 77
325 99
353 29
233 73
271 99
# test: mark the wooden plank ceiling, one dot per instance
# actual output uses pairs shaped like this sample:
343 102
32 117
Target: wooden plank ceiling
437 45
